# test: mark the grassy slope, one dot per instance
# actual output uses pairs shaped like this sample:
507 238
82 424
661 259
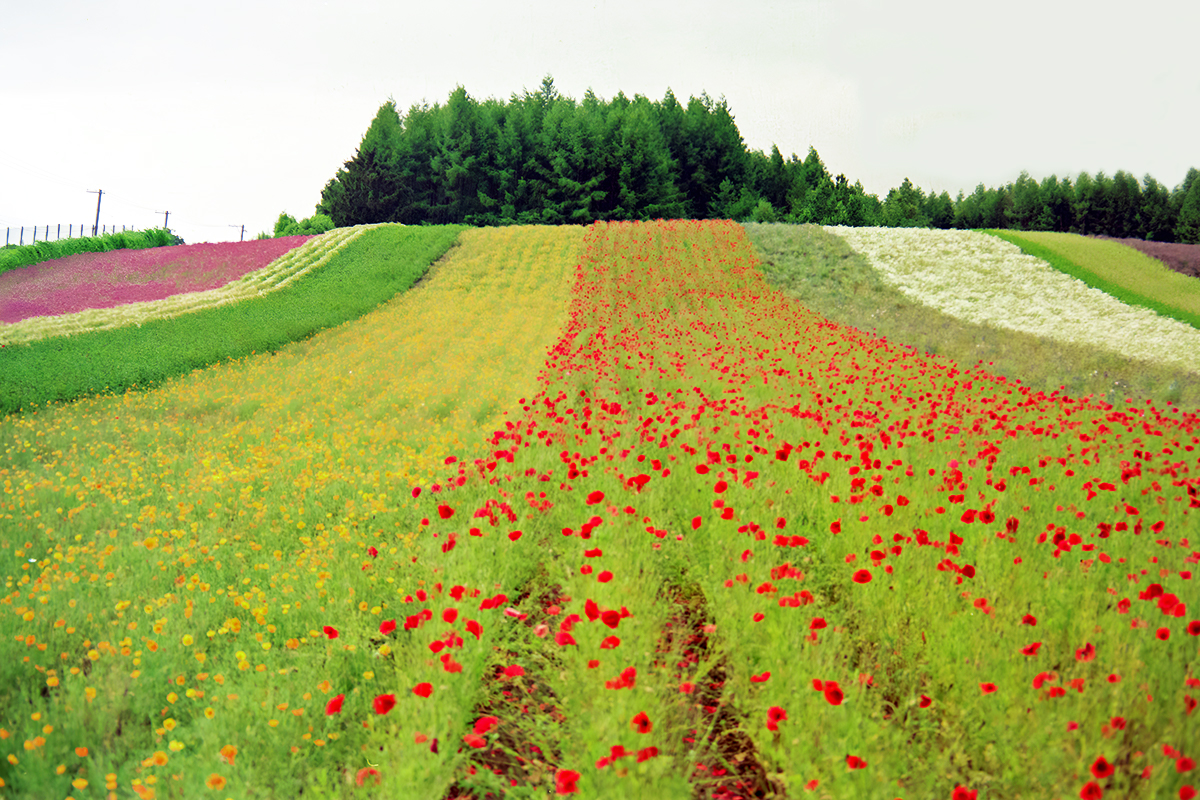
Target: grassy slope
25 255
368 272
1115 269
822 273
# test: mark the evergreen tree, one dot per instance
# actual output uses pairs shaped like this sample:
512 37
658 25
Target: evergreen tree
1158 217
1026 203
1187 226
1125 217
367 190
904 207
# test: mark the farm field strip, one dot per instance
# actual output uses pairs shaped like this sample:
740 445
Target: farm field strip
178 552
982 279
305 254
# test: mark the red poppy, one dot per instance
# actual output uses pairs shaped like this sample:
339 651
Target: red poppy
609 643
423 689
566 781
474 740
367 773
854 762
1086 653
833 694
416 492
445 511
687 688
386 702
987 688
862 576
330 631
760 678
515 671
1187 793
646 753
1185 764
387 626
775 715
611 618
1102 769
1163 634
926 701
817 624
1091 791
641 723
696 522
474 628
604 577
1029 619
963 793
1193 627
594 498
563 639
334 706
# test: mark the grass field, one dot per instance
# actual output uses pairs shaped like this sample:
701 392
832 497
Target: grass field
601 512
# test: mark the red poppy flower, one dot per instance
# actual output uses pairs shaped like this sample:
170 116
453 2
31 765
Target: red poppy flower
1031 650
611 618
474 740
445 511
416 492
330 631
604 577
1187 793
1029 619
854 762
646 753
609 643
641 723
423 689
687 688
1163 634
515 671
696 522
387 626
1193 627
563 639
594 498
963 793
817 624
987 688
760 678
926 701
775 715
1185 764
367 773
565 781
386 702
474 628
334 706
833 694
1091 791
1102 769
862 576
1086 653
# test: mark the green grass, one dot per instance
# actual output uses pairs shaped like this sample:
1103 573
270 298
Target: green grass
822 273
369 271
1117 270
24 255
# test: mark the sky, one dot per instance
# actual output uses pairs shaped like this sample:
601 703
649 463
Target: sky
226 113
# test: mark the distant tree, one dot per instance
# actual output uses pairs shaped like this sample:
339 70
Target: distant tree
968 210
1187 227
1026 203
366 187
1055 213
939 209
1158 217
284 222
904 207
1125 207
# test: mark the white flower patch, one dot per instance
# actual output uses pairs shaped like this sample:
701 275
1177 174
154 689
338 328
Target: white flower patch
986 280
313 254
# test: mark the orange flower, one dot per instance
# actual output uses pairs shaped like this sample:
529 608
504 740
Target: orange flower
368 772
81 752
215 781
227 754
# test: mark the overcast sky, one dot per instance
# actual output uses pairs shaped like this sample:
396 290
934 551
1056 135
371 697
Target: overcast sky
227 113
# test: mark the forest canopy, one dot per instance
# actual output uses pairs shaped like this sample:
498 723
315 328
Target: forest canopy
543 158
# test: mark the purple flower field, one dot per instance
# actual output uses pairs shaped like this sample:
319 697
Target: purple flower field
105 280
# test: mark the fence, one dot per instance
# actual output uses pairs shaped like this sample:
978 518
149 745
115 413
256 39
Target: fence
72 232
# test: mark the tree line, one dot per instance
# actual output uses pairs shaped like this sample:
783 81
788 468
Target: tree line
542 158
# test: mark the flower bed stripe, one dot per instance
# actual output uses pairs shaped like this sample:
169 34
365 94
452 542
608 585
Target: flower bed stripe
986 280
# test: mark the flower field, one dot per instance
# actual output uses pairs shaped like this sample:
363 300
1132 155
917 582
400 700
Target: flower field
104 280
598 512
983 279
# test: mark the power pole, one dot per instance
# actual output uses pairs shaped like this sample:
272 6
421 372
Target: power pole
99 196
166 216
243 227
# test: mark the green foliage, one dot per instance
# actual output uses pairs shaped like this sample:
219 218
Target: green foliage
287 225
1187 229
369 271
13 257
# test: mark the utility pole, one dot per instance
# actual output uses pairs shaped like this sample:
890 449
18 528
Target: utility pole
166 216
99 196
243 227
